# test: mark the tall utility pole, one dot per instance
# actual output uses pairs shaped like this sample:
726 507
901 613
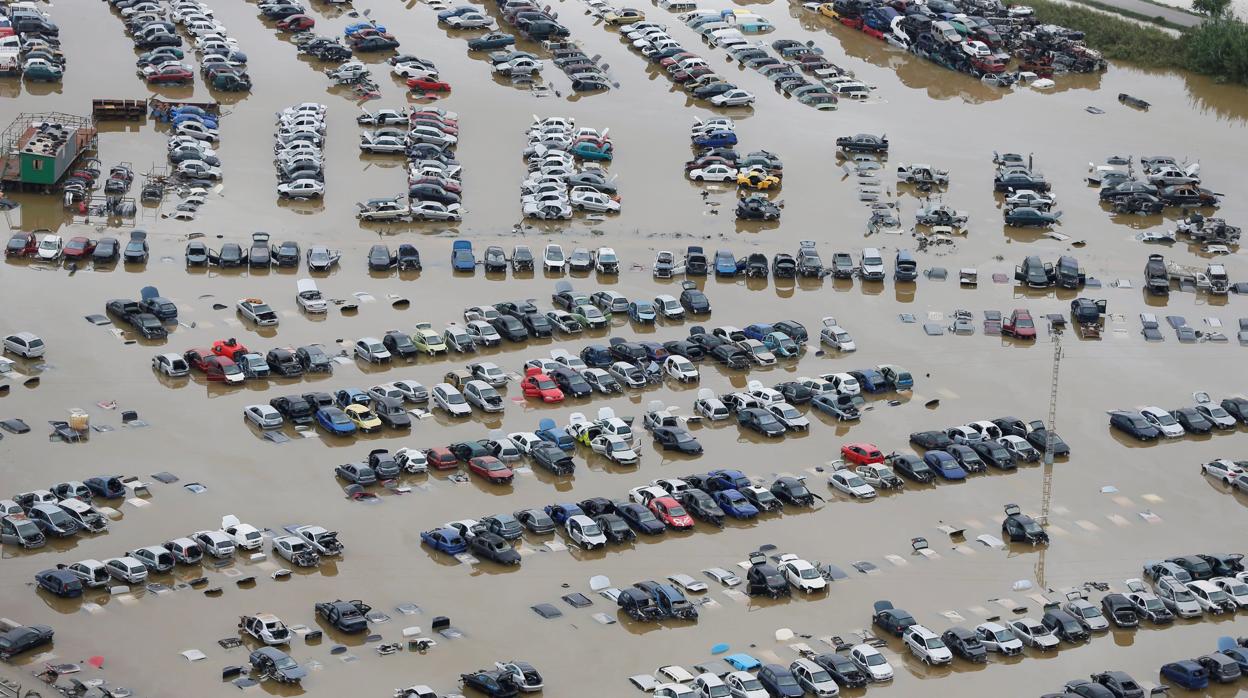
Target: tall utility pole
1046 493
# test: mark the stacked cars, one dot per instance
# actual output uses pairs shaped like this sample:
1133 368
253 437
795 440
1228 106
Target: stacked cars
561 178
193 134
434 176
36 52
298 154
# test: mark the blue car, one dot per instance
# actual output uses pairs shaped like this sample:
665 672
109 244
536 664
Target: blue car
361 26
725 263
562 512
335 421
870 380
1187 673
758 330
726 479
444 540
641 311
462 258
742 661
547 430
352 396
779 681
655 351
716 139
1228 647
206 121
945 465
597 356
735 504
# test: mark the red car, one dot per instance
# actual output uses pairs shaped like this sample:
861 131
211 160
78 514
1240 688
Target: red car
447 184
441 458
21 245
538 384
78 248
428 85
491 469
862 453
296 23
229 348
1019 324
671 512
215 368
169 74
449 127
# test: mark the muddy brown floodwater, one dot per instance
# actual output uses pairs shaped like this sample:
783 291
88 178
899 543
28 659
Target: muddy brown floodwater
196 430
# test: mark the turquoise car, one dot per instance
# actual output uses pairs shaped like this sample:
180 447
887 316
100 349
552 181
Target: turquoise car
590 150
781 344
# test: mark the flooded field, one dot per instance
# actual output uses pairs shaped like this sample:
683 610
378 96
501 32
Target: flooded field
1115 503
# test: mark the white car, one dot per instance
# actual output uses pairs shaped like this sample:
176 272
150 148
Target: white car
435 211
673 690
553 258
526 441
1235 589
871 265
172 365
871 662
998 638
615 449
733 98
309 297
257 311
244 535
601 381
1030 199
681 369
800 574
50 248
589 199
1019 448
927 645
743 684
215 543
976 49
988 429
1178 598
301 189
669 307
371 350
687 583
263 416
789 416
1222 469
445 395
1034 634
266 628
296 550
1165 423
126 569
92 573
415 70
584 531
199 169
488 372
836 337
844 383
964 434
645 494
412 460
852 484
470 20
714 173
483 333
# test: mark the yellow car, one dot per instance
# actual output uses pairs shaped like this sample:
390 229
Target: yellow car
363 418
624 16
829 11
757 179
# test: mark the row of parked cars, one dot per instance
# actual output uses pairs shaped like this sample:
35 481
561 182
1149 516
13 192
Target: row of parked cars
30 43
1160 182
560 179
1148 423
297 151
46 246
63 510
301 545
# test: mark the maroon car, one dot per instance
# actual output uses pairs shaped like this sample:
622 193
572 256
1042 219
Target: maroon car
491 469
78 248
441 458
21 245
169 75
1019 324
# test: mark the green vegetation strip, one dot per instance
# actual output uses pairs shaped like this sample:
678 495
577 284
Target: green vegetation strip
1217 47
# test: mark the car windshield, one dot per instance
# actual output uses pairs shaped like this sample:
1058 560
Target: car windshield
855 481
1217 412
454 399
1005 635
339 418
1237 589
1088 612
934 643
591 529
1164 419
875 659
1218 596
1031 527
1024 322
809 573
676 511
554 254
1153 604
231 370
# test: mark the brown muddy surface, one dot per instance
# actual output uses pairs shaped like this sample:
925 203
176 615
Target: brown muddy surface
930 115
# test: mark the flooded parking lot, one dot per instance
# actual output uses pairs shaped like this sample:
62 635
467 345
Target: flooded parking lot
1156 504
